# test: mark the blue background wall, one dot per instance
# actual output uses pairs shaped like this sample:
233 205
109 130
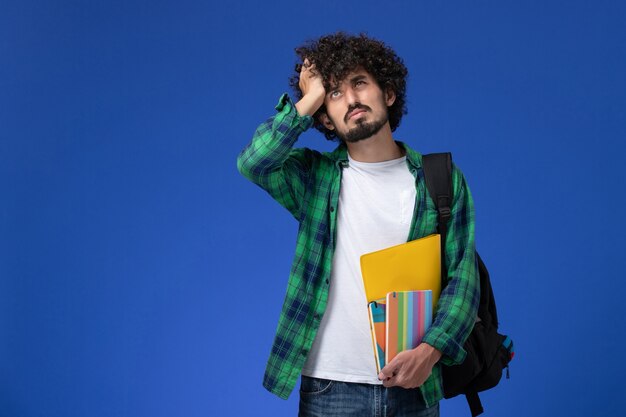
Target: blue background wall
124 225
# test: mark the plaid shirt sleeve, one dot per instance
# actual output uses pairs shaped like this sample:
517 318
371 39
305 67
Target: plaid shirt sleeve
306 184
458 303
270 160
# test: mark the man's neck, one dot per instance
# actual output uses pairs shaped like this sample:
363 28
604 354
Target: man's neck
378 148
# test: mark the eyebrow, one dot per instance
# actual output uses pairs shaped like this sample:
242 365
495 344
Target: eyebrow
352 80
357 78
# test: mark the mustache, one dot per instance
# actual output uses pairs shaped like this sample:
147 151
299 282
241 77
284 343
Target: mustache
353 108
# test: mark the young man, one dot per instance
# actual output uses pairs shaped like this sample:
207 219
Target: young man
366 195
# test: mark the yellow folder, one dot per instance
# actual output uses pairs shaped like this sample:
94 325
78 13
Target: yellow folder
411 266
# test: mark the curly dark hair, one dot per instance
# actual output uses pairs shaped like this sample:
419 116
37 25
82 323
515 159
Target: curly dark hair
338 54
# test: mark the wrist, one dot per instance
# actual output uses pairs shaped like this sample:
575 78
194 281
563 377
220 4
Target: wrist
435 354
430 352
309 104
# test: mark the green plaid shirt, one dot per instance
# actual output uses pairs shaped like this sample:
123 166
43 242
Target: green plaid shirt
307 183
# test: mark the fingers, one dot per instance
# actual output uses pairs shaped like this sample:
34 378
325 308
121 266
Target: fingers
389 371
384 376
312 89
308 68
391 381
398 380
305 67
397 373
389 375
310 81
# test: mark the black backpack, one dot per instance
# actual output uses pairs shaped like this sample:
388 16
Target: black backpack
488 352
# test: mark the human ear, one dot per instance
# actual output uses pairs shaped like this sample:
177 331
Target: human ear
325 120
390 96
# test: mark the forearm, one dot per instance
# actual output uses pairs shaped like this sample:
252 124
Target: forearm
455 317
271 162
272 142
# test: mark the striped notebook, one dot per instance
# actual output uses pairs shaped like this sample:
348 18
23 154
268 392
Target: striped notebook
408 316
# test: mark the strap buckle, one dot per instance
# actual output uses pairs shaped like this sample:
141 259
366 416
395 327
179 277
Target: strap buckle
444 213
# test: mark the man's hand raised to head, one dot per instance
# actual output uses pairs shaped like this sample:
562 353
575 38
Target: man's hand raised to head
411 368
312 88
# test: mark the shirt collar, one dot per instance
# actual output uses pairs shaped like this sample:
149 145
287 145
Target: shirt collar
340 155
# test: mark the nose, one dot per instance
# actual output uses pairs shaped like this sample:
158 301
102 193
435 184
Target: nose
351 97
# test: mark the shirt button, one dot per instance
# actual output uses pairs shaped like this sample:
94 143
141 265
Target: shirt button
332 209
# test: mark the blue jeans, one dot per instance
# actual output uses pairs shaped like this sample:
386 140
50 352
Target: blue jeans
326 398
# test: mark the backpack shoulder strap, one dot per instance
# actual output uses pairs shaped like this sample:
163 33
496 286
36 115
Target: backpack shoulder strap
438 177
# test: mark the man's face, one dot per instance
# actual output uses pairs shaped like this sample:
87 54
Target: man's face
356 108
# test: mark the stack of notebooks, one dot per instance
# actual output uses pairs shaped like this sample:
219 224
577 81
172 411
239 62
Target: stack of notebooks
402 286
399 322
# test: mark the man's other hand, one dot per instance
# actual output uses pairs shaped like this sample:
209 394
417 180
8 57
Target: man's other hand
312 88
411 368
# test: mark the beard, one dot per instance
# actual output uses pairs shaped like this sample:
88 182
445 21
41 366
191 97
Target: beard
363 130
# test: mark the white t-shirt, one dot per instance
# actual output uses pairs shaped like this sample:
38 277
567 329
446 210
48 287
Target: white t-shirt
375 211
